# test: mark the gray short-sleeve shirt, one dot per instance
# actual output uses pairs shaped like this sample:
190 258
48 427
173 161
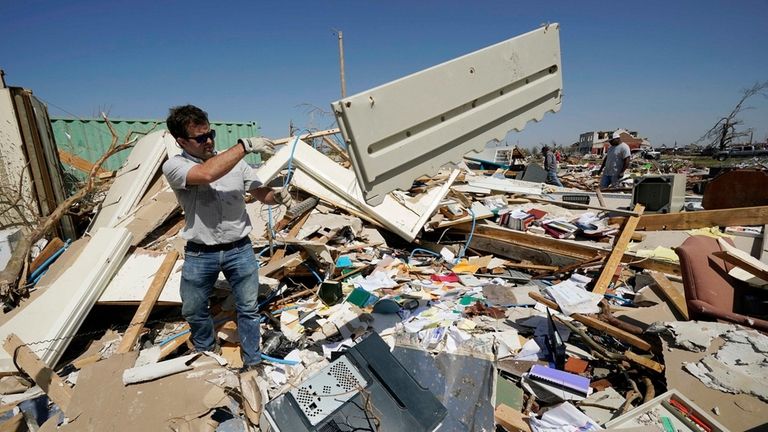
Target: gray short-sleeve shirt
214 213
614 159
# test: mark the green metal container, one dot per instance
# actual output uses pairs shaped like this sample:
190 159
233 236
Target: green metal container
90 138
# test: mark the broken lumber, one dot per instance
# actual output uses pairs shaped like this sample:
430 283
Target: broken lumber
79 163
742 260
614 259
511 419
644 361
596 324
311 135
150 298
702 219
56 389
51 248
561 247
288 262
667 290
584 206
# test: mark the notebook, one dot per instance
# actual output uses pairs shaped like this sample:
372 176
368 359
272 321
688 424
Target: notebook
563 380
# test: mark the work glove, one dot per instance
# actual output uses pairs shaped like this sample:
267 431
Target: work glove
282 197
260 145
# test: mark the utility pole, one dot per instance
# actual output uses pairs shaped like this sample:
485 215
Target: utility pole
341 63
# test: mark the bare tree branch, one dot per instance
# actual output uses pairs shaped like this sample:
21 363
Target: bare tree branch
724 131
13 278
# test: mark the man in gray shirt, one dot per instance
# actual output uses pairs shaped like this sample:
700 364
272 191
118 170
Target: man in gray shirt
550 165
616 161
211 187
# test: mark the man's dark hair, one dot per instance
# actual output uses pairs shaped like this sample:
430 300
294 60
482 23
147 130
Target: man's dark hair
180 117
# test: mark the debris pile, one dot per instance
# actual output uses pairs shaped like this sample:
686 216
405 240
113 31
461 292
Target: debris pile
469 302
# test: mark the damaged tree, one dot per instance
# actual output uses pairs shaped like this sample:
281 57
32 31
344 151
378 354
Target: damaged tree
13 286
724 132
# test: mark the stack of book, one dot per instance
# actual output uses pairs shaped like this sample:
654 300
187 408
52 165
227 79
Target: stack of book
520 220
559 229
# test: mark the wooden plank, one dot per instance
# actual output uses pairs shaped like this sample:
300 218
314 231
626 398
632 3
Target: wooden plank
290 261
562 247
668 291
614 259
145 308
600 198
596 324
702 219
644 361
742 263
534 267
55 387
292 233
511 419
78 163
51 248
583 206
289 140
338 149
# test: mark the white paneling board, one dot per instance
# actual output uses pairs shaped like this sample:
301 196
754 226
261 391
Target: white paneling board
49 322
132 179
130 283
414 125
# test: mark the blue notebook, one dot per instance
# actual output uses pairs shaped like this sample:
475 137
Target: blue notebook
564 380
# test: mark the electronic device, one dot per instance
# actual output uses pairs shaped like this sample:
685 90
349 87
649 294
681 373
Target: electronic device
660 193
365 389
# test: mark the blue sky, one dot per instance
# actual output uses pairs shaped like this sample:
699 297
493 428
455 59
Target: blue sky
668 69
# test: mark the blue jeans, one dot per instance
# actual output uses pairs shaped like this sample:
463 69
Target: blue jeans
198 275
607 181
552 179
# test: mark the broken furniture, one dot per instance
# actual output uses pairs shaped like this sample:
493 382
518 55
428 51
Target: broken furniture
710 293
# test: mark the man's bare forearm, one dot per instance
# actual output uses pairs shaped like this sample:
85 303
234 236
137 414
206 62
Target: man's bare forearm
215 167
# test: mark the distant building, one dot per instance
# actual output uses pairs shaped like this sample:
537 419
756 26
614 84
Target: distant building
596 142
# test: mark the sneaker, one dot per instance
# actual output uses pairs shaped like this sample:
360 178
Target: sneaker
258 368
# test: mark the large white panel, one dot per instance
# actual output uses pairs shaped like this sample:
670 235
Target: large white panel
49 322
414 125
132 179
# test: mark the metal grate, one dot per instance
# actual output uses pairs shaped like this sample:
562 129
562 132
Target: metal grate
321 395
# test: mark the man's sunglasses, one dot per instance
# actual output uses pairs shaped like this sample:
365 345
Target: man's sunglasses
202 139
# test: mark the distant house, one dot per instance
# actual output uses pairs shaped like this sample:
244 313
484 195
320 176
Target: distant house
596 142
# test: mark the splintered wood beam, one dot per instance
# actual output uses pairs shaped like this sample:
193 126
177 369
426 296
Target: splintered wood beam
150 298
644 361
596 324
562 247
41 374
702 219
336 147
614 259
283 264
78 163
668 291
51 248
582 206
600 198
304 137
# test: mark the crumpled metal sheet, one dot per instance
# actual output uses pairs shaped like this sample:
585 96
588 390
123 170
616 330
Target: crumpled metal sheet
463 384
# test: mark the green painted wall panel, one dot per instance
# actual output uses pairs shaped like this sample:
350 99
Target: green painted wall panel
90 138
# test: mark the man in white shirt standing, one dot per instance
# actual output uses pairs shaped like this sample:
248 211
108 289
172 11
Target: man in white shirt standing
211 187
615 162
